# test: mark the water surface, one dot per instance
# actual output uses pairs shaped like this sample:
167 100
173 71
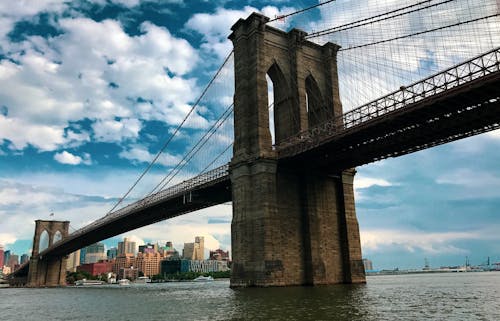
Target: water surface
451 296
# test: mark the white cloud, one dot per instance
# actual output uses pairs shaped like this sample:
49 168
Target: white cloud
67 158
116 130
431 242
141 154
216 27
365 182
95 71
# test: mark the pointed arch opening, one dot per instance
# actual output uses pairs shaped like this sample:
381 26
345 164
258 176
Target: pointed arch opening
44 241
317 112
281 122
57 237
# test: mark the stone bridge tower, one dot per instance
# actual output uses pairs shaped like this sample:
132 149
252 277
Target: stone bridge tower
47 271
291 225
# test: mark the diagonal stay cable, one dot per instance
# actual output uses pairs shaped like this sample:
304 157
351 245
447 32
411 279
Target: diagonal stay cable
189 155
173 134
183 164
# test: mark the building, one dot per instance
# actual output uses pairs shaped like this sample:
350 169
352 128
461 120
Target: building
2 253
82 255
128 273
148 263
194 251
96 268
73 261
219 255
25 258
112 253
6 257
94 253
126 247
13 262
170 267
148 248
200 266
168 251
368 265
123 261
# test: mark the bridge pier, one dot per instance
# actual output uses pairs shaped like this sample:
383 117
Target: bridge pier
292 225
47 271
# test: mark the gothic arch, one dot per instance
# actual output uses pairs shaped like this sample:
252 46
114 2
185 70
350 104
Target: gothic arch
57 237
44 241
282 107
317 112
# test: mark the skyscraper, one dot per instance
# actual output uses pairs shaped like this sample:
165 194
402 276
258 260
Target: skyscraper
6 257
1 256
24 258
194 251
73 261
112 253
126 247
94 253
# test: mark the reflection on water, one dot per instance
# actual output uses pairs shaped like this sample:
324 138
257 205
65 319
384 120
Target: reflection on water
460 296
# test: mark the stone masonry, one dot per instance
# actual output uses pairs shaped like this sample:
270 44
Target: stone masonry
291 225
47 271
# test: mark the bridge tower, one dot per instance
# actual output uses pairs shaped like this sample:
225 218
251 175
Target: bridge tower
291 225
47 271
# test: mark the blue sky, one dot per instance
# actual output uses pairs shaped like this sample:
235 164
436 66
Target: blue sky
91 90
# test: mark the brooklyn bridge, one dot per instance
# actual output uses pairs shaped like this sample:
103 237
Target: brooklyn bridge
306 109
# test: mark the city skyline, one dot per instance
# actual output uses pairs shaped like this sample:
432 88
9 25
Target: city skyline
72 140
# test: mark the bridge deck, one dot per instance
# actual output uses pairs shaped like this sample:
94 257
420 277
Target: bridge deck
456 103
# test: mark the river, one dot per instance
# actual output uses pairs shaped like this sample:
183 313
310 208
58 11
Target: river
450 296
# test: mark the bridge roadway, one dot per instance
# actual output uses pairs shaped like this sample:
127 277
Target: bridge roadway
459 102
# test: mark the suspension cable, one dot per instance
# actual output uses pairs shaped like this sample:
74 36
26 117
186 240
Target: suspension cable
421 32
300 11
366 21
148 168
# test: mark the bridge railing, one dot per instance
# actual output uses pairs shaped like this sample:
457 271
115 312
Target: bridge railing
186 186
477 67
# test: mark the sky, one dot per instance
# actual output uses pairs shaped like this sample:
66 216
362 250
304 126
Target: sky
91 89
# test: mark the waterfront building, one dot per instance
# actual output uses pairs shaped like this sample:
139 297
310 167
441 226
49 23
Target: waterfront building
24 258
368 265
126 247
73 261
128 273
2 253
148 263
96 268
123 261
200 266
170 267
194 251
219 255
112 253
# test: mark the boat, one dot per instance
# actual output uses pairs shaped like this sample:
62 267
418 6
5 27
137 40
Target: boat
202 278
88 282
142 280
124 282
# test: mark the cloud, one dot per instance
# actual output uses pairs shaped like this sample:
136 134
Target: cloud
67 158
216 27
141 154
411 241
93 70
